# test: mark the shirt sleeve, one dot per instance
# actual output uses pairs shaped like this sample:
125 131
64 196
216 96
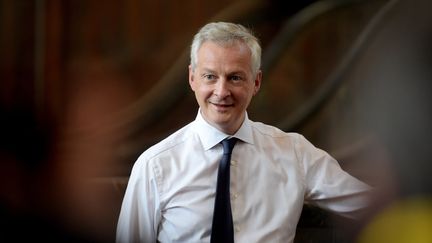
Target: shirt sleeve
139 215
328 186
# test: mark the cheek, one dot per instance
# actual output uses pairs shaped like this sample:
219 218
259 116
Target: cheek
246 94
202 94
205 90
247 99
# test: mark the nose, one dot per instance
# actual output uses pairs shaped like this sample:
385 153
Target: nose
222 89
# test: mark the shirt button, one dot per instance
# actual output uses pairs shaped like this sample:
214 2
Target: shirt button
233 163
234 195
237 229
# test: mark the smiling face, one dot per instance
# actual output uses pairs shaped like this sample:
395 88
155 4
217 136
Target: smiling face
224 83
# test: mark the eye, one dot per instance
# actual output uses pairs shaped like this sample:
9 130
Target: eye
236 78
209 77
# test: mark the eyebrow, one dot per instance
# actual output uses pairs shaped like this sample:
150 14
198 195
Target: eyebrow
237 73
208 70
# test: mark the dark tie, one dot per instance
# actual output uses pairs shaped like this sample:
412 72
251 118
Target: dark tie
222 227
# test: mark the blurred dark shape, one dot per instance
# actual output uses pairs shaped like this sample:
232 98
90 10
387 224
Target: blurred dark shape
26 144
389 107
24 137
393 103
53 169
394 79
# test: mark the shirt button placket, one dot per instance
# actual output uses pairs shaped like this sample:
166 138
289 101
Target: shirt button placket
233 163
234 195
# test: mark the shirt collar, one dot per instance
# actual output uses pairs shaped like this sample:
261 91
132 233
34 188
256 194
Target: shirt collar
211 136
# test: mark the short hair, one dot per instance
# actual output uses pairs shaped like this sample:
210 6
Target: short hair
227 33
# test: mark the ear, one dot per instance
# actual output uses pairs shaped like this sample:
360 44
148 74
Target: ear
191 78
257 82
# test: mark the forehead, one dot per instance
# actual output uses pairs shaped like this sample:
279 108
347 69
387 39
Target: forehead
232 53
227 45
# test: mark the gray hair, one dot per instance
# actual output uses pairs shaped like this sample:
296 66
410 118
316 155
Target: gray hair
226 33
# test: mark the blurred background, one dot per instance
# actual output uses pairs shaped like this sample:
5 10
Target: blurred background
86 86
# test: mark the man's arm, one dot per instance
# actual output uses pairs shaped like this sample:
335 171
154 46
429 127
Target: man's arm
329 187
139 215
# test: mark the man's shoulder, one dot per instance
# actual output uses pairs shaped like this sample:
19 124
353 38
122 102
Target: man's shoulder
172 142
273 131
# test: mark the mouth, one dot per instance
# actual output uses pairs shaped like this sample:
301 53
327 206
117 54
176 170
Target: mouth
222 106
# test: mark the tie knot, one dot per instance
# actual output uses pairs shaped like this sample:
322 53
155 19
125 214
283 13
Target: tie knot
228 145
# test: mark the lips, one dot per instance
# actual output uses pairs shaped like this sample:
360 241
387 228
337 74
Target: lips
221 103
222 106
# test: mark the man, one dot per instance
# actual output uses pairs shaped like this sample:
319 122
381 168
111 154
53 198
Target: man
171 194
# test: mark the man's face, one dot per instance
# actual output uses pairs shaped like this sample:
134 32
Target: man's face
224 84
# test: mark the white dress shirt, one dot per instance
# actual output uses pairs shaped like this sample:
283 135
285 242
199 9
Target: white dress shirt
171 191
